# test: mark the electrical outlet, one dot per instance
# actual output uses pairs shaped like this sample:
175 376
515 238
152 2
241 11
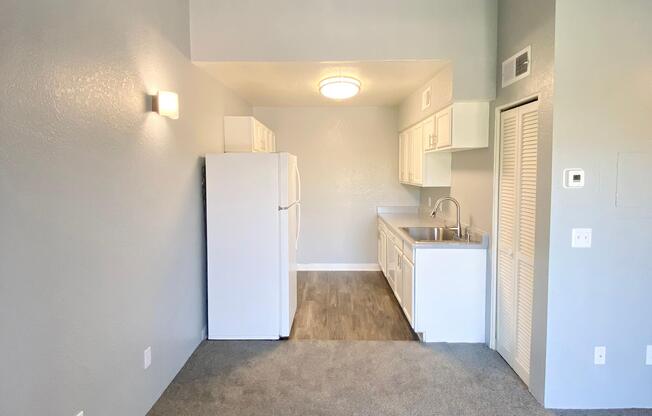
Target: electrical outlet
581 238
147 358
600 355
648 355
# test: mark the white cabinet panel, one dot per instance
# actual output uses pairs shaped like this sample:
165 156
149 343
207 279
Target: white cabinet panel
407 296
393 255
382 250
246 134
403 160
429 134
416 147
444 124
462 126
419 164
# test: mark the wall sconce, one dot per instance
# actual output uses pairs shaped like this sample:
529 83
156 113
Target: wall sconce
166 103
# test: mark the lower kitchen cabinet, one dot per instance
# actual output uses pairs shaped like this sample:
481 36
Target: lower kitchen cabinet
407 286
393 263
382 250
441 290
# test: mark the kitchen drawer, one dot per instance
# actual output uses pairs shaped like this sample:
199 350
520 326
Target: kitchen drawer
398 242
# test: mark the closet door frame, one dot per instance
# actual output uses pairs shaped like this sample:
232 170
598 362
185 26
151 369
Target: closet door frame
494 231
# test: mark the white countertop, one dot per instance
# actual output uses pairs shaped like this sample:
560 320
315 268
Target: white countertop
398 217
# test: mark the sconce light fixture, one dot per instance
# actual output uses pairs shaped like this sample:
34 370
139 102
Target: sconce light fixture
166 103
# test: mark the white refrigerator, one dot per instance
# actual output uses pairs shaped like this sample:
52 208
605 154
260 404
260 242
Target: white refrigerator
253 222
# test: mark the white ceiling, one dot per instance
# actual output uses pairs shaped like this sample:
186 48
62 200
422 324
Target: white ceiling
384 83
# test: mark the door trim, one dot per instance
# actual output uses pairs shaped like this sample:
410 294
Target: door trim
494 214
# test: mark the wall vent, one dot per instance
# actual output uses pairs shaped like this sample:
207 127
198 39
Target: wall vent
426 98
517 67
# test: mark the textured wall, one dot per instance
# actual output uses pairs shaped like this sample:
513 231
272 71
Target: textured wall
441 85
348 158
601 295
102 242
463 31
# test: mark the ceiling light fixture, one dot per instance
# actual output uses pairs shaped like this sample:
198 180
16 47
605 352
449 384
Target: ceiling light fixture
339 88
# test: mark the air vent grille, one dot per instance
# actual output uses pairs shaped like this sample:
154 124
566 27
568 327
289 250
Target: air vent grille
516 67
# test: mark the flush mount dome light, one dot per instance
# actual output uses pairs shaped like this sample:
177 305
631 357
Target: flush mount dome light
339 88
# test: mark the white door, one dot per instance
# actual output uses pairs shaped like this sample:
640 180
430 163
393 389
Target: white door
407 271
382 247
259 136
417 155
383 252
392 263
444 126
290 217
429 138
403 157
516 225
242 222
398 282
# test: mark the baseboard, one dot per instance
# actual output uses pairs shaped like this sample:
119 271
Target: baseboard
349 267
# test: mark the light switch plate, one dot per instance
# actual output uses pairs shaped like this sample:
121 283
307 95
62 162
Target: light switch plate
600 355
581 238
147 358
648 355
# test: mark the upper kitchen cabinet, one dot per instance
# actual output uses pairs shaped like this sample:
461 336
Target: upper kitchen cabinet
461 126
418 168
429 134
246 134
404 154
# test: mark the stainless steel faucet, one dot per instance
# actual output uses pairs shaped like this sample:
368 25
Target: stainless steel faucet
458 226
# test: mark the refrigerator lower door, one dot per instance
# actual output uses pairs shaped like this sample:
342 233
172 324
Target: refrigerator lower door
288 225
243 245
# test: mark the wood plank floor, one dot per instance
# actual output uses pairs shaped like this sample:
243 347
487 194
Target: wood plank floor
348 306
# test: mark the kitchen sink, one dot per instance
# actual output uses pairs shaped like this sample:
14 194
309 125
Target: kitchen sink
420 234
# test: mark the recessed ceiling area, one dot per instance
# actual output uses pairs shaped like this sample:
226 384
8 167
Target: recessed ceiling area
383 83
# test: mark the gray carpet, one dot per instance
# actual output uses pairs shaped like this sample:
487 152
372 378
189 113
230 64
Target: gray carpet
350 378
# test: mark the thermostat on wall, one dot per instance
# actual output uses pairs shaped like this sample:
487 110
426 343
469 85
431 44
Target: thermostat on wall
573 178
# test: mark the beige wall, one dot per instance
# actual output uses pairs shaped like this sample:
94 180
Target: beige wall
348 157
102 249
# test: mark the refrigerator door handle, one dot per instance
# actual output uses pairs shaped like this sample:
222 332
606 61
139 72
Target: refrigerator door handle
298 225
296 168
289 206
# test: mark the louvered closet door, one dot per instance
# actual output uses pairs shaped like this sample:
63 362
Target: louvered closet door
516 225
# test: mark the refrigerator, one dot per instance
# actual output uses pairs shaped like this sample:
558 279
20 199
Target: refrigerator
253 215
